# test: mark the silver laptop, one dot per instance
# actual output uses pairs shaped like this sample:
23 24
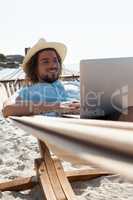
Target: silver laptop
106 86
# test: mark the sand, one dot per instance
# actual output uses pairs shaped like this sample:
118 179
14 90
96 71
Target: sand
18 150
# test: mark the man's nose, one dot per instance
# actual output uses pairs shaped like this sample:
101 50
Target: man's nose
54 64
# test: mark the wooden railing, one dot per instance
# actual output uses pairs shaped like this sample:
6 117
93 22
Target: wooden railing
11 86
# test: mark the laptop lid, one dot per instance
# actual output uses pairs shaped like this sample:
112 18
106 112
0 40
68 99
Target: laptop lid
106 86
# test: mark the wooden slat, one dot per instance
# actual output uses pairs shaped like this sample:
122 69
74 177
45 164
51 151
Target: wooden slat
63 180
74 119
44 180
6 88
113 138
11 88
18 184
84 174
59 193
73 175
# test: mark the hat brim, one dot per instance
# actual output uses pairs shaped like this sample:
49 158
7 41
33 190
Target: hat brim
59 47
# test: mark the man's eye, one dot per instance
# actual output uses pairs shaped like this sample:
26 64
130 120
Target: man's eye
55 61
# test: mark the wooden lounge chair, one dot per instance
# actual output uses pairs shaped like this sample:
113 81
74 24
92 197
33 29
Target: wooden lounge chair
104 144
49 171
107 145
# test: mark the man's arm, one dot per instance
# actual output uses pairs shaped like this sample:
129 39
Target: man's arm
27 108
21 108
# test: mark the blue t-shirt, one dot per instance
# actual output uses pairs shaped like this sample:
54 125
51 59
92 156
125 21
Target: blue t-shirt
44 92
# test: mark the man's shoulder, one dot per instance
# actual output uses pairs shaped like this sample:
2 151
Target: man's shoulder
59 83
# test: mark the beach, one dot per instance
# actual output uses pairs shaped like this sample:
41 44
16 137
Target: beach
18 150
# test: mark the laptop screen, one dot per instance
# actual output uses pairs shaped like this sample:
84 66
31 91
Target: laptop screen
106 86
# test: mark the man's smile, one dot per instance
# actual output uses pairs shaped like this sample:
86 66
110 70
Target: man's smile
54 70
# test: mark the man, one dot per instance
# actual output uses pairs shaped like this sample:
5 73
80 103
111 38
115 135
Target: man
46 95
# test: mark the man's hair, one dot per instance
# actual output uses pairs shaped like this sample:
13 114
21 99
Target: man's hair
31 70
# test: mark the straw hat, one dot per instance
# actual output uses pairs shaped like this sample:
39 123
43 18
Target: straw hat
43 44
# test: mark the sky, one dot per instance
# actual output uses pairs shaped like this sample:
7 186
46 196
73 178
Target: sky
89 28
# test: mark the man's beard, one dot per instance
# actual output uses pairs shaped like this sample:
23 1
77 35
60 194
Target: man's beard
51 78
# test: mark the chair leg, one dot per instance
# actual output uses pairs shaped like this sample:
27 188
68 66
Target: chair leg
61 187
44 180
63 179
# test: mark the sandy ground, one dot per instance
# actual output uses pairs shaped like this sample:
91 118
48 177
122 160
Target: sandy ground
17 152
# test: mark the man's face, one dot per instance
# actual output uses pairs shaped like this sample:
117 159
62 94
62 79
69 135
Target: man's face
48 68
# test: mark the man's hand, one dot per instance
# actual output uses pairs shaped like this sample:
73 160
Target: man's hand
70 107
